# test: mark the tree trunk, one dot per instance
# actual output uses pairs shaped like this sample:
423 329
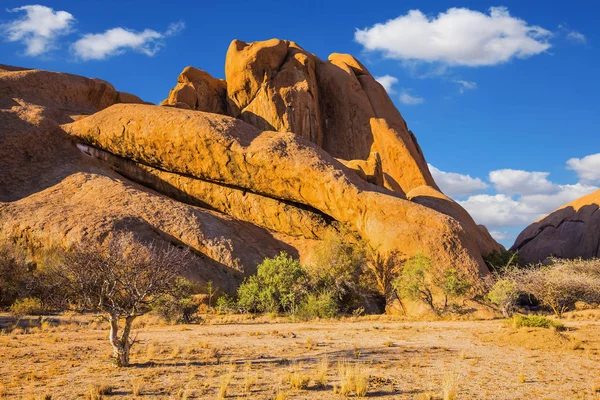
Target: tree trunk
121 346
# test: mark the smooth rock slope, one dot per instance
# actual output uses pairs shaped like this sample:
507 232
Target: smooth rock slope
572 231
285 150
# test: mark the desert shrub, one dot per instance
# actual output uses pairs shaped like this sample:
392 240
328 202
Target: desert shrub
278 286
504 293
453 283
382 270
420 279
414 282
501 261
15 274
318 305
562 284
535 321
226 304
27 306
179 305
341 265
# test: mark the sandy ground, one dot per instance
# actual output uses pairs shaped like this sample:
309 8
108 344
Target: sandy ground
399 359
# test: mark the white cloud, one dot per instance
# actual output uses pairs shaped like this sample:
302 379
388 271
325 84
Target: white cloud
587 168
407 98
38 29
500 235
543 204
116 41
514 181
465 85
577 37
456 185
495 210
502 210
175 28
459 36
387 81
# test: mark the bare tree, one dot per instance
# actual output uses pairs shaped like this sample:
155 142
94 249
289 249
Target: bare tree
121 279
560 285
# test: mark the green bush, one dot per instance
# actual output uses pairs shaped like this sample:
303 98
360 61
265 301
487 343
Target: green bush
504 294
321 305
226 304
27 306
341 265
501 261
420 279
278 286
536 321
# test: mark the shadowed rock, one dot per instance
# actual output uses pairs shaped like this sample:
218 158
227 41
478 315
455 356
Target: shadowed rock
569 232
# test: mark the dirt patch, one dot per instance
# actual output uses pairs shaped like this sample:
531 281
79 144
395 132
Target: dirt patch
259 360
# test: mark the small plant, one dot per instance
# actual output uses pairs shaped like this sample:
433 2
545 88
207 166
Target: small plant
318 305
450 386
249 379
356 351
320 378
309 343
224 385
536 321
277 286
27 306
281 395
97 392
226 304
136 386
420 279
298 380
521 377
504 294
353 381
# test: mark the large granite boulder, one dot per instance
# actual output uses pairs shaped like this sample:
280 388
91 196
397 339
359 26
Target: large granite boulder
572 231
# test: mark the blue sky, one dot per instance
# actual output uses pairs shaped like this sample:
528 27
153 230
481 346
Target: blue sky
504 100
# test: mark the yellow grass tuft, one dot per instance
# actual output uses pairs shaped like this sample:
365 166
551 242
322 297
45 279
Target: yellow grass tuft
352 380
136 386
320 378
298 380
450 386
224 385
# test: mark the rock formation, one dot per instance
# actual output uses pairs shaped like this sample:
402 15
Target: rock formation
285 150
569 232
337 105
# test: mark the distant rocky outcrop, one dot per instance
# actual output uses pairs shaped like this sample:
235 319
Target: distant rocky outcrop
285 150
572 231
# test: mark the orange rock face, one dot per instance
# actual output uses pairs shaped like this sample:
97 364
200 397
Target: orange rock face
338 105
569 232
53 194
287 149
199 91
222 149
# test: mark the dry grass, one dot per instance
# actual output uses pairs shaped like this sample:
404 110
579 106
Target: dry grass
450 386
198 362
224 385
352 380
298 379
136 386
320 378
